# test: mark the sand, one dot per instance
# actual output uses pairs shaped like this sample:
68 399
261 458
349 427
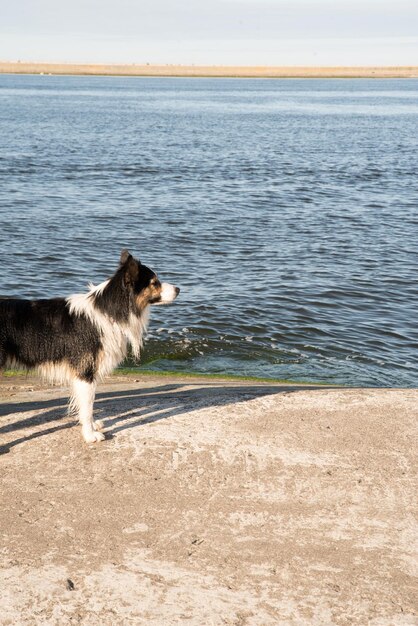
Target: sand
209 71
211 503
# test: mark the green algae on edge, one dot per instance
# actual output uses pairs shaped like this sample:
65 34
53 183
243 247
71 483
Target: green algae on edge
187 374
127 371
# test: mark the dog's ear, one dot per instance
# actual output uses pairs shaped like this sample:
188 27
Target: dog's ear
124 256
130 270
131 267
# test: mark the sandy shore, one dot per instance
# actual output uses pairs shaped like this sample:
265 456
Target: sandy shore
210 503
210 71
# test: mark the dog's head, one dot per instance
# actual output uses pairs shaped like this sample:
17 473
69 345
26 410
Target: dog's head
144 283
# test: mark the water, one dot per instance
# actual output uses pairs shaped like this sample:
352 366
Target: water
286 210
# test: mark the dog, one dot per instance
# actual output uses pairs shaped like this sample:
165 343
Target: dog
80 339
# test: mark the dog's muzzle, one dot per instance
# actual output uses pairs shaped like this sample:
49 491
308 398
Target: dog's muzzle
168 293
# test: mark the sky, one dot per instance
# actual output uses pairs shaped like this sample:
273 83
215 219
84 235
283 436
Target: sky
211 32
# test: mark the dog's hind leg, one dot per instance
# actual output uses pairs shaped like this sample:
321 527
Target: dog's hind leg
82 400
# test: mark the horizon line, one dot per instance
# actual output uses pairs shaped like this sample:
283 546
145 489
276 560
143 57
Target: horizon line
216 70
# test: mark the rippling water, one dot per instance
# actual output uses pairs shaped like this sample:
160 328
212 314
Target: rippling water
286 210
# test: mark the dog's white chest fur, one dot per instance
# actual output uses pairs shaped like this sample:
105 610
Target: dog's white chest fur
115 337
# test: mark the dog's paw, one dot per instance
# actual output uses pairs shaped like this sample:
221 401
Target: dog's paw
92 436
98 425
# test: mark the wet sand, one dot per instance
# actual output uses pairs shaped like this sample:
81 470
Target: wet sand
209 70
210 503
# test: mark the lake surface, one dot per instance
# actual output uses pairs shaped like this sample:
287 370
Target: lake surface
286 210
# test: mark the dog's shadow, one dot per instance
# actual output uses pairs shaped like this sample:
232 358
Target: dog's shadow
125 409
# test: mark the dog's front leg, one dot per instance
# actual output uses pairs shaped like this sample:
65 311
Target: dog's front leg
83 399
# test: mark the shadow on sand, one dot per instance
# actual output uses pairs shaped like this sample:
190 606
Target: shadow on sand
124 409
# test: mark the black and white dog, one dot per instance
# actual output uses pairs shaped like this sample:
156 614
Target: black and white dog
82 338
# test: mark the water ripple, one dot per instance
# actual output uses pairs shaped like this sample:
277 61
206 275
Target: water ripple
286 211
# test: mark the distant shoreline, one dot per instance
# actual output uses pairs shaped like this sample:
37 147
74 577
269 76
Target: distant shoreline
209 71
